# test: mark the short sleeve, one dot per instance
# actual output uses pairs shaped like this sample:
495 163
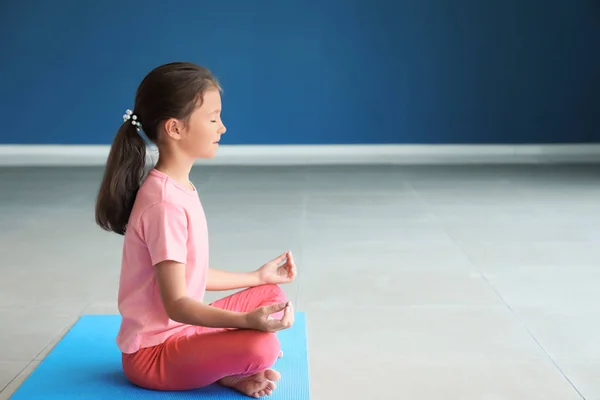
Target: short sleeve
164 228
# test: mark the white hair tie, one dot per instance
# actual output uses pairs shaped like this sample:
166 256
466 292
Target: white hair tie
130 116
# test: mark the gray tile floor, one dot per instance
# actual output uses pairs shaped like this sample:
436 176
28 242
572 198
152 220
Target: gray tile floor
459 282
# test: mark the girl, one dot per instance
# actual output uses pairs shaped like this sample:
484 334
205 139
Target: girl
170 339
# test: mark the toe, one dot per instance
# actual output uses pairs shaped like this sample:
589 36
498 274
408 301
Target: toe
272 375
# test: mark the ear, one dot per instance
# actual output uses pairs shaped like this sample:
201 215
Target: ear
173 128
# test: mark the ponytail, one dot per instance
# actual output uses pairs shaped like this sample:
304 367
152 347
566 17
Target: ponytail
122 179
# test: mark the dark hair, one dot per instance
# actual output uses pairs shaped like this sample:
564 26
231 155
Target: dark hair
173 90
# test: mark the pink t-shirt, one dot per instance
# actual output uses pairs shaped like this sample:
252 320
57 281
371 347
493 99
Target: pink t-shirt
167 223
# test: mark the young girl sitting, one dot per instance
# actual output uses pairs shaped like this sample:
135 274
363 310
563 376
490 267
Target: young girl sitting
170 339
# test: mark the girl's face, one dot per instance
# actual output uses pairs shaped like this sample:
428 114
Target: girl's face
200 138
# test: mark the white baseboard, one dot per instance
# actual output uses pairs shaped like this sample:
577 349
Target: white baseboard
95 155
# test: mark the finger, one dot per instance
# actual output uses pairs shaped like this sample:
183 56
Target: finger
273 308
292 263
292 272
275 325
288 275
281 258
288 316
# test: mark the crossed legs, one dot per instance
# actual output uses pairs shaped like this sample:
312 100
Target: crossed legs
201 356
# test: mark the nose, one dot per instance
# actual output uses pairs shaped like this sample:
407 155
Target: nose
223 129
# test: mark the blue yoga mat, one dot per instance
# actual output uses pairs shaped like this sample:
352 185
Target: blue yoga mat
86 364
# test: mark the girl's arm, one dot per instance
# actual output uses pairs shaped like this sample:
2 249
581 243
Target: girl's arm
281 269
224 280
184 309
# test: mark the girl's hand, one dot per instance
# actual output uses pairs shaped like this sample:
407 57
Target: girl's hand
278 271
259 319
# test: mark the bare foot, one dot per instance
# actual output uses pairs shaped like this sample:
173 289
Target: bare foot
257 385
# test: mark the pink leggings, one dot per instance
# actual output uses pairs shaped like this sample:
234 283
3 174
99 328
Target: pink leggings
200 356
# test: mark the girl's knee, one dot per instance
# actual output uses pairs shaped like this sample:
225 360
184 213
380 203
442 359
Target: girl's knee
274 291
263 348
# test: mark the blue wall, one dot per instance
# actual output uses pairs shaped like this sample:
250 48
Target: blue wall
312 71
